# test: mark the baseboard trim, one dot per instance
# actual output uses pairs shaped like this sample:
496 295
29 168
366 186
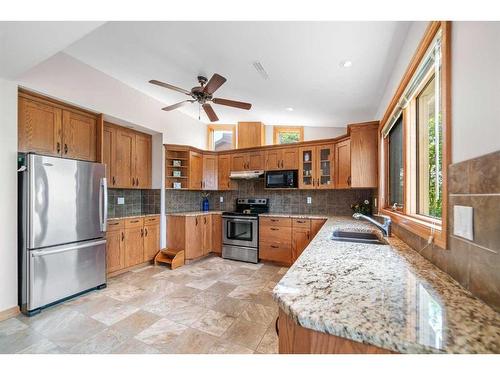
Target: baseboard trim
9 313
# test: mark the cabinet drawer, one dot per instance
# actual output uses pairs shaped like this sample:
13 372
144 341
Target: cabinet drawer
148 220
134 222
275 221
275 251
276 234
301 223
115 225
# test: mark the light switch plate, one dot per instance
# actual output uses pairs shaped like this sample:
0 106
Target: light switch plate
463 225
309 200
120 200
221 199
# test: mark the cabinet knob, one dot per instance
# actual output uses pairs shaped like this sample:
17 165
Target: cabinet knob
114 180
142 232
146 232
123 236
274 246
349 180
58 147
65 148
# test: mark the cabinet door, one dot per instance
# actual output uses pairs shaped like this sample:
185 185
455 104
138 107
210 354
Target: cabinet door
124 159
255 160
250 134
239 162
194 237
207 233
151 241
142 161
316 225
115 257
195 170
108 153
134 246
343 164
209 172
289 158
273 160
217 233
307 170
223 171
364 166
39 127
325 166
79 136
300 239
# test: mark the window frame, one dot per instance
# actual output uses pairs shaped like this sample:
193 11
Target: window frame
287 129
408 218
211 128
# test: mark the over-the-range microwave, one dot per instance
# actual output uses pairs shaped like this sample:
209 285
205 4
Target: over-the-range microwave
282 179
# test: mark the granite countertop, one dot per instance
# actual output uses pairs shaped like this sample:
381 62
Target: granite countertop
131 216
194 213
384 295
294 216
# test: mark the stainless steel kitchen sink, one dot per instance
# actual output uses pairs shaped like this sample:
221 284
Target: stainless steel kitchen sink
358 237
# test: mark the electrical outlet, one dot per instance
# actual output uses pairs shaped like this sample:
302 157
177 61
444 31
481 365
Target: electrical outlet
120 200
463 222
221 199
309 200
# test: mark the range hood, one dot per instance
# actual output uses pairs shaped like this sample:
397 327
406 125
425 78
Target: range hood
246 175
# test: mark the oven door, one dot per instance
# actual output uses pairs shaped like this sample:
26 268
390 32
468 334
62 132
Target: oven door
240 231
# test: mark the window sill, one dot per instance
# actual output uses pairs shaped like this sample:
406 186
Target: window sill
423 228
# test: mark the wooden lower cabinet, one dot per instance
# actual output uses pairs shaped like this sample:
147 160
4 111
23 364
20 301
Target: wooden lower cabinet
301 236
197 235
131 242
294 339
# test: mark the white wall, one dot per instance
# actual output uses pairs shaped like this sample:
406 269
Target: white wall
475 93
475 89
68 79
311 133
8 195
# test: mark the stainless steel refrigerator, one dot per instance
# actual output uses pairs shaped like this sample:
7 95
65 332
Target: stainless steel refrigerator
62 224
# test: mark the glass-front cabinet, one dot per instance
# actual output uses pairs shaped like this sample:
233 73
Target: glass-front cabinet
317 167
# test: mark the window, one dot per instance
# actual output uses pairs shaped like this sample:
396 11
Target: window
396 170
283 135
221 137
413 141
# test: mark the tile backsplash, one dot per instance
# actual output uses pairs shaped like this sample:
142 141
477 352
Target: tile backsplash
474 264
333 202
137 202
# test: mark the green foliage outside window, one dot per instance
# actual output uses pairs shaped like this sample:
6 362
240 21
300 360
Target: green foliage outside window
435 171
288 137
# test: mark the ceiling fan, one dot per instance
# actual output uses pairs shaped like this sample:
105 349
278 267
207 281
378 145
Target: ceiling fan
203 95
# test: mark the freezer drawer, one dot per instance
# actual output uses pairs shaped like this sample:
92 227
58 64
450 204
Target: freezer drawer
59 272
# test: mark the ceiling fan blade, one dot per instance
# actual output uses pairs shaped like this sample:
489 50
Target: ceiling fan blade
232 103
177 105
210 112
215 82
169 86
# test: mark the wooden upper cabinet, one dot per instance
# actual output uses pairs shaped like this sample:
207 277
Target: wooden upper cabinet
251 134
79 140
238 162
108 152
223 171
40 127
364 156
325 164
282 159
195 170
210 172
124 158
343 164
307 167
142 161
255 160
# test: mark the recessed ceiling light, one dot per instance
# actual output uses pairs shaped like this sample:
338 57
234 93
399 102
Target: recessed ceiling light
289 109
346 64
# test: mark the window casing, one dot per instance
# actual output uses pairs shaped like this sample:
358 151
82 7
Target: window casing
221 137
286 135
419 115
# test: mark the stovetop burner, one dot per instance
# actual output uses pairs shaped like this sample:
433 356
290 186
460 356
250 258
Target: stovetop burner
250 207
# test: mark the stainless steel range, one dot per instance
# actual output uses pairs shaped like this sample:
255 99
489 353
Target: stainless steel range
240 229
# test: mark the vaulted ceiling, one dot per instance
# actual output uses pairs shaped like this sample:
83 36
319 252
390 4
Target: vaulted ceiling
303 62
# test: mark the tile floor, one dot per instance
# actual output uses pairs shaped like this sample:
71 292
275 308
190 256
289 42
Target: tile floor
210 306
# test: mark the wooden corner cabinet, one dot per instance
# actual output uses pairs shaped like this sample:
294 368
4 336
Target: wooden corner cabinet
52 128
127 155
343 164
364 155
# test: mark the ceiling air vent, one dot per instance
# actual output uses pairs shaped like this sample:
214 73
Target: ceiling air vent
260 69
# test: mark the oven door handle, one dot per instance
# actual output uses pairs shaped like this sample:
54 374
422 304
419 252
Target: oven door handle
241 220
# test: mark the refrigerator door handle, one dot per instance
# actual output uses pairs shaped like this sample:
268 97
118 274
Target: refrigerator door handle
64 248
103 203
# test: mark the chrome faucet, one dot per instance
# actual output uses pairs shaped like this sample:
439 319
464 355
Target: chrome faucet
385 227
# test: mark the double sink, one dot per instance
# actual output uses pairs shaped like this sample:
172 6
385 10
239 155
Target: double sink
357 237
